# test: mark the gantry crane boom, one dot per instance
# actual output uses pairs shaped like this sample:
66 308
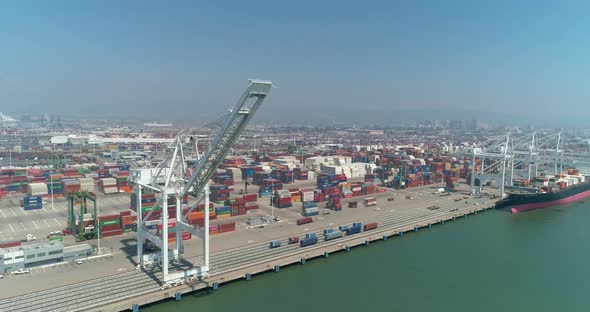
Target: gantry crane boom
225 138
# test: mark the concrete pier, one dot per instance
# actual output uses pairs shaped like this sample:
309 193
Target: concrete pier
301 255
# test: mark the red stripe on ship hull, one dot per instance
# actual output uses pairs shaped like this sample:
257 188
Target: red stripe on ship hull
563 201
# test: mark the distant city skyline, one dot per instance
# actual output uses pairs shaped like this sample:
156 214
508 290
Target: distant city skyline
329 60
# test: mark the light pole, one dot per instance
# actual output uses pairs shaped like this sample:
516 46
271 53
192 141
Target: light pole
272 207
51 183
96 221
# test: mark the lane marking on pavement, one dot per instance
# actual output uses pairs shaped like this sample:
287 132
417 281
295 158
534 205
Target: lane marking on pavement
56 221
23 225
2 212
48 225
11 228
35 224
11 210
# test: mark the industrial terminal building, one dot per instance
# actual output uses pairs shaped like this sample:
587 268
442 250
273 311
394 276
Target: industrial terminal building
36 254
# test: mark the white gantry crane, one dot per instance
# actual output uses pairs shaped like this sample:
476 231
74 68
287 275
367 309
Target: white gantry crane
173 178
520 156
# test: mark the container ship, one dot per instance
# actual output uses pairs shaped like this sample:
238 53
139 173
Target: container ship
547 191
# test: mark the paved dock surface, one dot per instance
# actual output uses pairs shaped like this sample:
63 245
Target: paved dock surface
233 254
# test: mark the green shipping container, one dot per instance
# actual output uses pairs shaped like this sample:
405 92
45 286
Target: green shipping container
150 208
110 222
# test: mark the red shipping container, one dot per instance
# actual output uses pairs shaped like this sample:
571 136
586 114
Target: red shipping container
108 228
370 226
252 207
199 222
111 233
250 197
304 220
228 227
171 224
186 235
108 218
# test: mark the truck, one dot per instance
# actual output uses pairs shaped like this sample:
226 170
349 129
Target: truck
275 243
294 240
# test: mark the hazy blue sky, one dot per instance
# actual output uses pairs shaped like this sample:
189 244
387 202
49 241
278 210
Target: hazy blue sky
184 58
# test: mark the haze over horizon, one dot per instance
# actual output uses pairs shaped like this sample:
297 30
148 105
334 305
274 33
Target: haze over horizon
329 60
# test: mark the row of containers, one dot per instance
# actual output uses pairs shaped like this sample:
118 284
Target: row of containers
150 209
328 234
230 207
268 186
286 176
117 224
213 230
223 177
57 184
332 195
172 232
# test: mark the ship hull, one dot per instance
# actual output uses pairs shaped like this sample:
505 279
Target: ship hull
525 202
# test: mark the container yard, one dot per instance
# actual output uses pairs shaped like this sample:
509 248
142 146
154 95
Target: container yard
308 206
102 219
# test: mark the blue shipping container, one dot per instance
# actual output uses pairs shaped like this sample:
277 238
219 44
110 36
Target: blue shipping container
309 205
275 243
332 235
353 230
308 241
311 213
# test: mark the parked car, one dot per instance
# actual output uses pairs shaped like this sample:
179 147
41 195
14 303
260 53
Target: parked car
22 271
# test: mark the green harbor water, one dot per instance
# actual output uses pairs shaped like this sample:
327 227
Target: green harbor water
492 261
